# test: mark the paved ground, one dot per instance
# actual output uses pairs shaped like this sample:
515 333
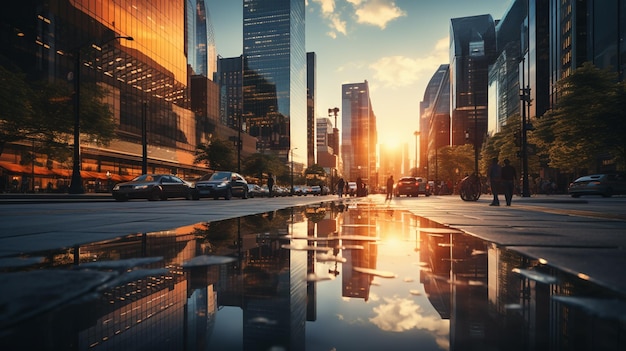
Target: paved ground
567 233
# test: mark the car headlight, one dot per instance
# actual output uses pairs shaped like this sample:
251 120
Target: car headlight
141 187
222 184
116 187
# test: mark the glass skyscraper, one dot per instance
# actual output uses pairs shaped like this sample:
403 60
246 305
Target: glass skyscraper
358 133
274 82
146 79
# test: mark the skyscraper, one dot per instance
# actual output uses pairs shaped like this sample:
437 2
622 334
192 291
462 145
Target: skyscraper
358 133
274 82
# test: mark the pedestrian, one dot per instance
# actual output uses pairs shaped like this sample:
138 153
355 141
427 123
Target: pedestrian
340 184
494 173
390 183
508 175
270 184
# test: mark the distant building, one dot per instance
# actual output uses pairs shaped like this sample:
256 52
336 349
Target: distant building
311 91
434 121
358 133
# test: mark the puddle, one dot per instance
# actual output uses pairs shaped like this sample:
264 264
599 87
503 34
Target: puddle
322 277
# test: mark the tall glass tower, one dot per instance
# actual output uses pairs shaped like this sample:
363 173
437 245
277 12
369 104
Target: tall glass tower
274 82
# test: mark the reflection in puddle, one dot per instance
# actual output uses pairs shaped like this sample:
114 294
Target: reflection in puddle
313 278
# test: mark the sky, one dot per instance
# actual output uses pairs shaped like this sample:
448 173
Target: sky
396 45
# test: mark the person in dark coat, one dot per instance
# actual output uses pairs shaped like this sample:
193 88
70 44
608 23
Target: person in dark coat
340 184
390 183
508 176
494 173
270 184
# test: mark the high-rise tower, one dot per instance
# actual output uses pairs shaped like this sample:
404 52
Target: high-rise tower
274 82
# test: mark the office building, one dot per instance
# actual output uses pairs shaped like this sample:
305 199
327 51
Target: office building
146 80
275 77
472 49
358 133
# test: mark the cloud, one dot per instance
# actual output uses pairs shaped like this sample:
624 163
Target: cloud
371 12
399 314
401 71
376 12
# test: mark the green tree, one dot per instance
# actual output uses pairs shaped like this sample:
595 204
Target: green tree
216 153
315 175
259 163
16 112
587 122
44 111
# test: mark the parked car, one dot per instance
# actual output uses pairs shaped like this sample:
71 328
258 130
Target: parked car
155 187
606 185
351 189
316 190
412 186
255 190
224 184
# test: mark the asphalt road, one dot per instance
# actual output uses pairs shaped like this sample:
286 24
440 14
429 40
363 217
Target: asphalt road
585 236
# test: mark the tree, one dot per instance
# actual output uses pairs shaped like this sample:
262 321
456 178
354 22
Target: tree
258 163
216 153
16 112
587 123
44 111
315 175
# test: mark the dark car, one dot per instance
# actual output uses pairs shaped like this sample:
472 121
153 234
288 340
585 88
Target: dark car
412 186
155 187
606 185
222 184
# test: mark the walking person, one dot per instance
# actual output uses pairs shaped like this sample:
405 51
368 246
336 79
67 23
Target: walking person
494 173
340 184
508 176
270 184
390 183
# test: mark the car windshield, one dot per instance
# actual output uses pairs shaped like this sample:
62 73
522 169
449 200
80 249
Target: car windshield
145 178
220 176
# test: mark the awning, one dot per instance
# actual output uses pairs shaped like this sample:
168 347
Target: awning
26 170
62 173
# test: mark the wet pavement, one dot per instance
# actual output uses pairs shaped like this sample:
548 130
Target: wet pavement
313 274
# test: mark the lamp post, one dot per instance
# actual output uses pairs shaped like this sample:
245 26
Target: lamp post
76 185
416 133
295 148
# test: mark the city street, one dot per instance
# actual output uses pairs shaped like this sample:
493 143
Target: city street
584 236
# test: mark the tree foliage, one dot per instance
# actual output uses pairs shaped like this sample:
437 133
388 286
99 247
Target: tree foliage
259 163
587 124
44 111
216 153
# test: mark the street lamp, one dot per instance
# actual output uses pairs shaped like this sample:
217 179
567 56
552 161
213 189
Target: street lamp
295 148
416 133
76 185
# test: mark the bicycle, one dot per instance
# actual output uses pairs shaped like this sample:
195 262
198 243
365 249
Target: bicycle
470 188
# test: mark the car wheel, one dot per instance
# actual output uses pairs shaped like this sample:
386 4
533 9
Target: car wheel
121 198
155 195
608 193
245 193
229 194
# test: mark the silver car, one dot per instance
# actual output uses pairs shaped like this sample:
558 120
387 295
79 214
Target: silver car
605 185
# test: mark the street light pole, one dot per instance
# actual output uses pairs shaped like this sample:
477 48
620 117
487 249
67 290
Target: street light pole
76 185
295 148
416 133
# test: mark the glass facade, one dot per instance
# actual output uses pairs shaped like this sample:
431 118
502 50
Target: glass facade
472 49
146 78
435 121
358 133
274 82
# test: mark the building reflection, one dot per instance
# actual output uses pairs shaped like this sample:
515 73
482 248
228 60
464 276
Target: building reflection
492 297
